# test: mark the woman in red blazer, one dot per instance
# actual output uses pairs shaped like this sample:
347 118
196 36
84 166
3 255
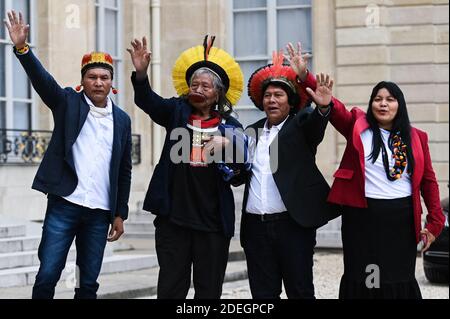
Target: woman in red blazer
385 168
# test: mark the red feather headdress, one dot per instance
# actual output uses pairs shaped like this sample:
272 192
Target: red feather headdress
277 72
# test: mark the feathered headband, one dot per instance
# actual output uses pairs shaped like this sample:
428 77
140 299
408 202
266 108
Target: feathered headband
95 60
277 72
217 60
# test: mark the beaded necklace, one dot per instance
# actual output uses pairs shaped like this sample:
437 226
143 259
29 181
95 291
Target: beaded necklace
398 148
202 130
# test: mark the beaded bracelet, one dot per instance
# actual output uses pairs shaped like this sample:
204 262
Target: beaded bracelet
23 50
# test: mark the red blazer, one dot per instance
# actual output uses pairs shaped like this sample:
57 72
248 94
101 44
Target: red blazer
349 185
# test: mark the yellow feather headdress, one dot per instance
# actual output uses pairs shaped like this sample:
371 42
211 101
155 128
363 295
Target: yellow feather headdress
213 58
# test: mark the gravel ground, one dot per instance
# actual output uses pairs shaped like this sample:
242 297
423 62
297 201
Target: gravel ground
328 269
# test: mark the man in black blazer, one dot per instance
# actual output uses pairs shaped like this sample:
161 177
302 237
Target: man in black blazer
86 170
285 194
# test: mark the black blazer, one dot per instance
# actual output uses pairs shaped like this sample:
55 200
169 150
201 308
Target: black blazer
56 174
302 186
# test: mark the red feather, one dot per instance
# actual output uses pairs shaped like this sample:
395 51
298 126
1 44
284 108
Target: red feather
275 71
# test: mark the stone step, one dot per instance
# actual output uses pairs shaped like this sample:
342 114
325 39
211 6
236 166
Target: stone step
328 239
142 227
137 217
28 243
9 231
18 244
139 235
25 276
25 259
30 258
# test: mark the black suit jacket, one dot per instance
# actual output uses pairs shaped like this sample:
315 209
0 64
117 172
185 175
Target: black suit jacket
56 174
302 186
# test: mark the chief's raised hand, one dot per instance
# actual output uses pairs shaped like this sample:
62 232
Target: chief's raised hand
18 30
141 57
298 61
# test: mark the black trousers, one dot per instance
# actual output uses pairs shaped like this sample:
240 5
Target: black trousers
379 247
279 251
179 249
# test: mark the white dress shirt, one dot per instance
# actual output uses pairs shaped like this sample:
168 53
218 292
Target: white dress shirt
92 153
263 196
378 186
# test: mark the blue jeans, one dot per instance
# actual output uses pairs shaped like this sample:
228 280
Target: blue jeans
63 222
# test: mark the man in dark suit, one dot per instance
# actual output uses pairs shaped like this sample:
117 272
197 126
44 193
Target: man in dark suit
86 170
285 194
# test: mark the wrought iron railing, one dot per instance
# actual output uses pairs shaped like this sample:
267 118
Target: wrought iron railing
18 147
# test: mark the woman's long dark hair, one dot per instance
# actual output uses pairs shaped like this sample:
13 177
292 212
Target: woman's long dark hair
401 123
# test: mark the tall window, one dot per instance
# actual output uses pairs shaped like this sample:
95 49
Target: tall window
260 27
16 97
109 37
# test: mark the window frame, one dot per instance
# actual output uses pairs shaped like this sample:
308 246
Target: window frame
9 98
271 9
100 43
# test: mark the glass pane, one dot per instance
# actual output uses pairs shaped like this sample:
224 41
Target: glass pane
98 35
250 34
293 2
248 68
24 7
111 32
2 16
246 4
115 97
22 116
111 3
21 85
2 70
295 26
116 73
2 114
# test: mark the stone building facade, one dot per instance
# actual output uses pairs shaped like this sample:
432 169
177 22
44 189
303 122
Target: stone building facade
359 42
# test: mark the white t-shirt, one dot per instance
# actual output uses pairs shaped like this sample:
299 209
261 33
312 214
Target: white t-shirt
378 186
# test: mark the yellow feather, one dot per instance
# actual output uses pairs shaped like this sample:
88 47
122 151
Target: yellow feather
217 56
